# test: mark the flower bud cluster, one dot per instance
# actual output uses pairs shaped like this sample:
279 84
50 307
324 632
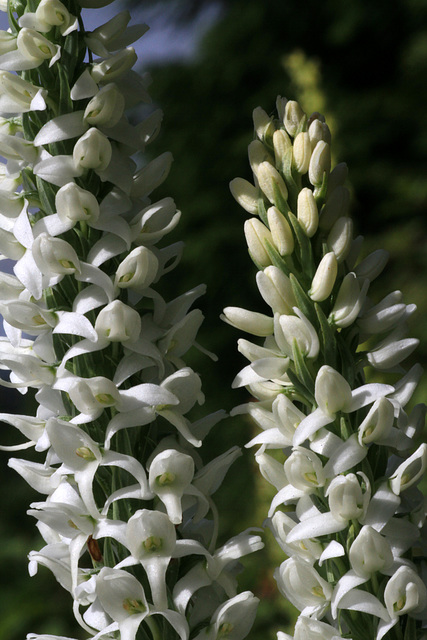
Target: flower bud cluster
342 454
127 515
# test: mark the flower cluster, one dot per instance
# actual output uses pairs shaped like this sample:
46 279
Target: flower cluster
127 517
341 452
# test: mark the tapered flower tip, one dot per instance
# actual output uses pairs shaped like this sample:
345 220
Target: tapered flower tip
332 391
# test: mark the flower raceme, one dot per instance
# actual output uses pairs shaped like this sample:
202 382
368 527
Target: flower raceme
341 453
126 495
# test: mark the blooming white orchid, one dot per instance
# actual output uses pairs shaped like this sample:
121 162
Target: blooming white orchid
340 452
125 496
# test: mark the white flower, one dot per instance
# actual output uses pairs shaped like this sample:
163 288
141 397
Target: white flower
370 552
348 500
301 584
405 592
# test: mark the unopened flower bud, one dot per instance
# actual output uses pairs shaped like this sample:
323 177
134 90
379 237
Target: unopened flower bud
138 270
336 206
272 184
106 108
252 322
347 499
115 27
370 552
263 124
258 153
33 45
92 151
151 175
117 322
281 143
377 423
349 301
74 204
320 163
307 214
391 352
318 131
372 265
114 66
302 152
54 256
332 391
281 232
337 177
340 238
289 329
281 103
324 278
293 117
276 289
410 471
257 234
245 194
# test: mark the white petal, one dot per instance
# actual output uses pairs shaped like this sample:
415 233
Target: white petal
69 125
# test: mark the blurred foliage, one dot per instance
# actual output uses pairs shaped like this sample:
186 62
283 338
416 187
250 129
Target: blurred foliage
364 66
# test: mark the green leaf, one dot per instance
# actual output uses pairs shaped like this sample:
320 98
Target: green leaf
301 369
276 258
303 301
303 247
47 194
328 343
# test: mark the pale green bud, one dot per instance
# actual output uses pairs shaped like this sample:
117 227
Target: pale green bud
349 301
307 214
256 234
281 107
263 124
245 194
252 322
320 163
372 265
281 143
293 117
281 232
301 152
276 289
318 131
340 238
336 206
258 153
337 177
332 391
324 278
271 184
9 245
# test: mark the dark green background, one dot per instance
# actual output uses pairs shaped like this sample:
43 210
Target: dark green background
364 64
